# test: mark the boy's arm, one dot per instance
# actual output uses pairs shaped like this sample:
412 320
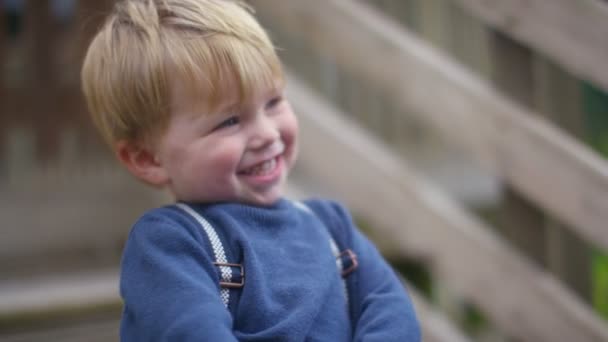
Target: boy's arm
169 287
385 311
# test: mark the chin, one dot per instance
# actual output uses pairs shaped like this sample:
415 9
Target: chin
265 199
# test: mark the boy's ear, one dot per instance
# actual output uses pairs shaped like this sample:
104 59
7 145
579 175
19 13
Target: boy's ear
141 162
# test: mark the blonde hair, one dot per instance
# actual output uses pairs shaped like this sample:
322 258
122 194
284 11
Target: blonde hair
205 43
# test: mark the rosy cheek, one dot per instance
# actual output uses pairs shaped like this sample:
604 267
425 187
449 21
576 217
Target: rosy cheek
224 160
291 129
290 132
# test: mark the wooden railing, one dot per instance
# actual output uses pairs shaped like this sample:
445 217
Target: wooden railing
425 224
551 168
502 135
572 32
370 63
54 171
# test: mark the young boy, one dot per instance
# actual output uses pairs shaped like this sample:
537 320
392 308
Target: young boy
189 93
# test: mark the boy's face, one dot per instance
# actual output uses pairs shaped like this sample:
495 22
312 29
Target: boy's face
240 153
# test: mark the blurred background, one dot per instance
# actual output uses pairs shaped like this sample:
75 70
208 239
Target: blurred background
469 138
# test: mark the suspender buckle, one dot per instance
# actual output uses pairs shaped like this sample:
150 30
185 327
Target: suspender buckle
228 279
349 262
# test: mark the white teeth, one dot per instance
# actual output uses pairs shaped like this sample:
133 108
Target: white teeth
263 168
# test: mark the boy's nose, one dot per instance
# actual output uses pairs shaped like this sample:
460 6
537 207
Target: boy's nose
265 132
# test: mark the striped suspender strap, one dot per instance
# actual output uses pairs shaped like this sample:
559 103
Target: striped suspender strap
219 254
340 256
336 251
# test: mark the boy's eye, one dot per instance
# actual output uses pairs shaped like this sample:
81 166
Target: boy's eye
274 102
231 121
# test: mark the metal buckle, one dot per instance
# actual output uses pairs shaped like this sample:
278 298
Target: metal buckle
228 284
353 259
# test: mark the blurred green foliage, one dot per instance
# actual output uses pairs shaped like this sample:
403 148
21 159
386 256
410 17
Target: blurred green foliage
596 112
596 118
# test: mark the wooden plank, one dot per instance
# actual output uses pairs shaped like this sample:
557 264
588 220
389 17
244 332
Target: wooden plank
470 41
61 307
43 34
519 219
4 14
512 68
63 109
104 329
573 33
434 325
90 15
558 97
521 299
523 225
553 170
404 11
56 293
90 218
434 23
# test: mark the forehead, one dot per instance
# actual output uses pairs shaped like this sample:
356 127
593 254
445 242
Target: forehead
227 94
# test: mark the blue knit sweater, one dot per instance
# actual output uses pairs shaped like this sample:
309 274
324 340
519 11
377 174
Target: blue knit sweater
292 291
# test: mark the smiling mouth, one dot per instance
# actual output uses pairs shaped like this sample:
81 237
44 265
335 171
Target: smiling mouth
264 168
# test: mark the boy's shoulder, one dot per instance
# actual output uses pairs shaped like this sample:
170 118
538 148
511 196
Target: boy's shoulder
166 214
185 220
161 221
328 209
335 217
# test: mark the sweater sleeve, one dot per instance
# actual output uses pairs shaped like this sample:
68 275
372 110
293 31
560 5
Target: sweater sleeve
169 286
384 311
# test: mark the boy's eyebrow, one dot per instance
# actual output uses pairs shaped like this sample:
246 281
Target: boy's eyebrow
228 109
236 105
224 109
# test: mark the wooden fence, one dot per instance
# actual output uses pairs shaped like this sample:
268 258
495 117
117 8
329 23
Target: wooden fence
501 83
495 100
57 182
